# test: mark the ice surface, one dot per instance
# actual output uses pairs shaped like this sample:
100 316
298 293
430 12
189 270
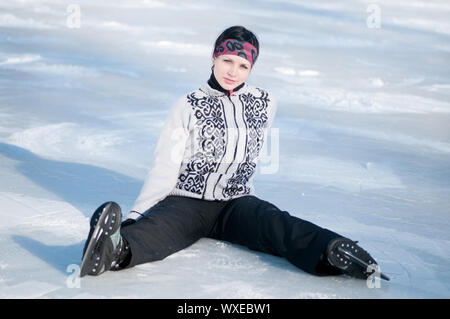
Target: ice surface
364 139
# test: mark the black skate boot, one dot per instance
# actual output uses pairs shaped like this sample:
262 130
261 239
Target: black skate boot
349 257
105 248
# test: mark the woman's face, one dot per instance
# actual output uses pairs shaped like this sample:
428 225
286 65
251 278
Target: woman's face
231 70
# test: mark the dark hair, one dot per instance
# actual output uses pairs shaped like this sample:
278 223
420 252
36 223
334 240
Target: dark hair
239 33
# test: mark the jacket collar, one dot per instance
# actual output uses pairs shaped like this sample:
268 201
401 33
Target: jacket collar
213 88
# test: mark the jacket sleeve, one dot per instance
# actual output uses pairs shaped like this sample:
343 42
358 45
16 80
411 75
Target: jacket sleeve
167 158
271 113
269 161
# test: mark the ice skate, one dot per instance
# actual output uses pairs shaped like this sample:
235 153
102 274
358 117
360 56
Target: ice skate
105 247
349 257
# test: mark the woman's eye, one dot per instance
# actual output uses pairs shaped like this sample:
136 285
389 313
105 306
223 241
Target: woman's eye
244 67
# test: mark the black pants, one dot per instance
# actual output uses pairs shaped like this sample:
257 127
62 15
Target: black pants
177 222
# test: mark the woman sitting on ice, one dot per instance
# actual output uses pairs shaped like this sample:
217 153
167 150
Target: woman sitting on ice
206 189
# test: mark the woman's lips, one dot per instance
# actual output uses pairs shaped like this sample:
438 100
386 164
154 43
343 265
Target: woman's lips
228 81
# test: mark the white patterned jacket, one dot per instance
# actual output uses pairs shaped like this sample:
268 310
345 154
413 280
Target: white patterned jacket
209 146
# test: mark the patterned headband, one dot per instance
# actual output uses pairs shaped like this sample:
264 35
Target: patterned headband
239 48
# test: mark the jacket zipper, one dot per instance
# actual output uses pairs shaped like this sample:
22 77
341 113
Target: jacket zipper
235 150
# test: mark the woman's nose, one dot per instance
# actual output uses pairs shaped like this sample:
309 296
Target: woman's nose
232 71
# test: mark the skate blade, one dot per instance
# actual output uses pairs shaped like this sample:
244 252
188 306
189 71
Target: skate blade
362 263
